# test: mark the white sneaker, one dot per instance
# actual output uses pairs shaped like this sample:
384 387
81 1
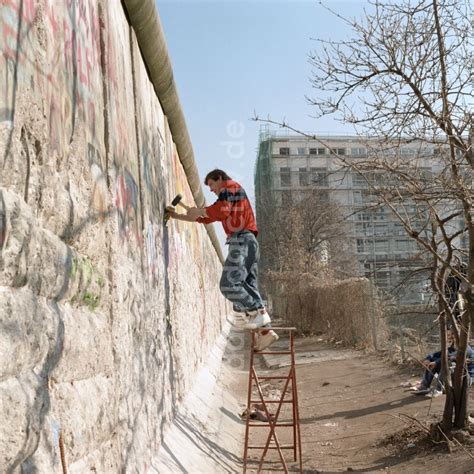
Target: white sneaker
434 394
264 341
262 318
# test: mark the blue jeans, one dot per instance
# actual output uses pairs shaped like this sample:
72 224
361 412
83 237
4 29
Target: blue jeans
239 277
429 375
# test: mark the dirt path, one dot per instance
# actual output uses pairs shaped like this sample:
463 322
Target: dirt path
353 413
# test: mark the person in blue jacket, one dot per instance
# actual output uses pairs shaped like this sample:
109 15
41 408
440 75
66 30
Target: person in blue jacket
432 363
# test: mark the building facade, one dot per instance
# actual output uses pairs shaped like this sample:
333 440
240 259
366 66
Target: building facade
289 165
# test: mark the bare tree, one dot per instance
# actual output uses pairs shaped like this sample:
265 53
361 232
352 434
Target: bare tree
305 233
405 78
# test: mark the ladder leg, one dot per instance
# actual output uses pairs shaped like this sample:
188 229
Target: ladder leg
293 397
249 397
273 421
296 405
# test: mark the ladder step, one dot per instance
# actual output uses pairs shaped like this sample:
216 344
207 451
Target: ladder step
275 353
259 425
271 401
267 377
284 446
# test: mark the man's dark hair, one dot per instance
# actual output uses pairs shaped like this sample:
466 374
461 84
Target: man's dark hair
215 175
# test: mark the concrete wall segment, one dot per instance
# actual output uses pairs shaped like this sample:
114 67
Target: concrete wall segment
27 326
105 314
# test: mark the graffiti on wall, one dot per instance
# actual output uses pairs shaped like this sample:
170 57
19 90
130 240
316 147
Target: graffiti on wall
67 72
62 57
50 85
154 200
152 176
126 203
120 93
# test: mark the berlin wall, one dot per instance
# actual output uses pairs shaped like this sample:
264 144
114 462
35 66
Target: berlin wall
105 314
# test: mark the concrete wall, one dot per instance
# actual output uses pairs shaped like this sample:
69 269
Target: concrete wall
105 314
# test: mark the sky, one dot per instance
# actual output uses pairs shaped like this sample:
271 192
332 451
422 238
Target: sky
233 59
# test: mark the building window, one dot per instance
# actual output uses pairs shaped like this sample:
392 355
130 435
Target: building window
301 151
382 279
380 214
364 216
319 176
285 177
381 245
317 151
340 151
403 245
357 197
358 151
284 151
303 177
358 180
364 229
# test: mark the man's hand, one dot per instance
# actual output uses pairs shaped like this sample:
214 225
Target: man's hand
170 211
429 365
191 216
172 214
180 217
196 212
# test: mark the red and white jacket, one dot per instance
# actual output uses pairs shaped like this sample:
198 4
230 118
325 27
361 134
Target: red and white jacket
232 208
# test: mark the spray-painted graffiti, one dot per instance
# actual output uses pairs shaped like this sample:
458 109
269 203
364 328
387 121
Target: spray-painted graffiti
14 14
70 97
67 72
120 89
126 203
152 177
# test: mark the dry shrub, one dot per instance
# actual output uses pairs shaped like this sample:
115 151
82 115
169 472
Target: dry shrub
346 310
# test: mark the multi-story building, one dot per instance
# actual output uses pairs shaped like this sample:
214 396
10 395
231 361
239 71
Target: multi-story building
289 165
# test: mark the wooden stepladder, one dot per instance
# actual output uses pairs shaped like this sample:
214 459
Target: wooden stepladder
289 395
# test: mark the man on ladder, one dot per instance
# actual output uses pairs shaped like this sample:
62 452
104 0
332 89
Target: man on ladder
239 277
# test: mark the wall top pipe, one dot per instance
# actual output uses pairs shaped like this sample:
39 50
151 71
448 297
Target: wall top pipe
145 21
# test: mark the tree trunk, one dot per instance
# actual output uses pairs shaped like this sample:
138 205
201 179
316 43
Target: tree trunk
447 421
461 410
461 393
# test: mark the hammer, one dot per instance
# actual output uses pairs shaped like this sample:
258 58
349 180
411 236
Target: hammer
175 202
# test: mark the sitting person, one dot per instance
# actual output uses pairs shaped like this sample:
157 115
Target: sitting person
432 364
